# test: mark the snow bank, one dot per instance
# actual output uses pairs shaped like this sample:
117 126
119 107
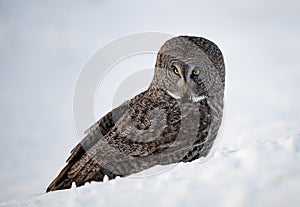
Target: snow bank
262 171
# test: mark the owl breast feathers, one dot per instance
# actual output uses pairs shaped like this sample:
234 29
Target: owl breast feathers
175 120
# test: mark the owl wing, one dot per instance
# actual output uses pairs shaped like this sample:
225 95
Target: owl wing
93 135
120 145
98 131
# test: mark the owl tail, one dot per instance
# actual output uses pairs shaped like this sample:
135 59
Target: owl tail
67 176
61 181
79 171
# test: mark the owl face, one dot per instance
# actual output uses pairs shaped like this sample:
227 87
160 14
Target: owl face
185 71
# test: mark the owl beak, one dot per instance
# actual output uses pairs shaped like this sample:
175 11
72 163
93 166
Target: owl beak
185 88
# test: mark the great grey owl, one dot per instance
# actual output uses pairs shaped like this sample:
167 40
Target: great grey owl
175 120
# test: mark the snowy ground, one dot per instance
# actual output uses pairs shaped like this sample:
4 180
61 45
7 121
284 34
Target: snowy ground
43 47
257 172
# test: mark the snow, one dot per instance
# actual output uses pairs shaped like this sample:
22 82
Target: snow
257 172
43 48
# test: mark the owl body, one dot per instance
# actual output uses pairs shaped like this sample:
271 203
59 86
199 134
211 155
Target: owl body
175 120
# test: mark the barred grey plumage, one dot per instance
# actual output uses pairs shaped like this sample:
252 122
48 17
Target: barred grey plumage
175 120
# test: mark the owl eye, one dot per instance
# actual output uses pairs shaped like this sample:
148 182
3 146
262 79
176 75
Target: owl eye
196 72
175 70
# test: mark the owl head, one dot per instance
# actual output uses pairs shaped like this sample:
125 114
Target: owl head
189 68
